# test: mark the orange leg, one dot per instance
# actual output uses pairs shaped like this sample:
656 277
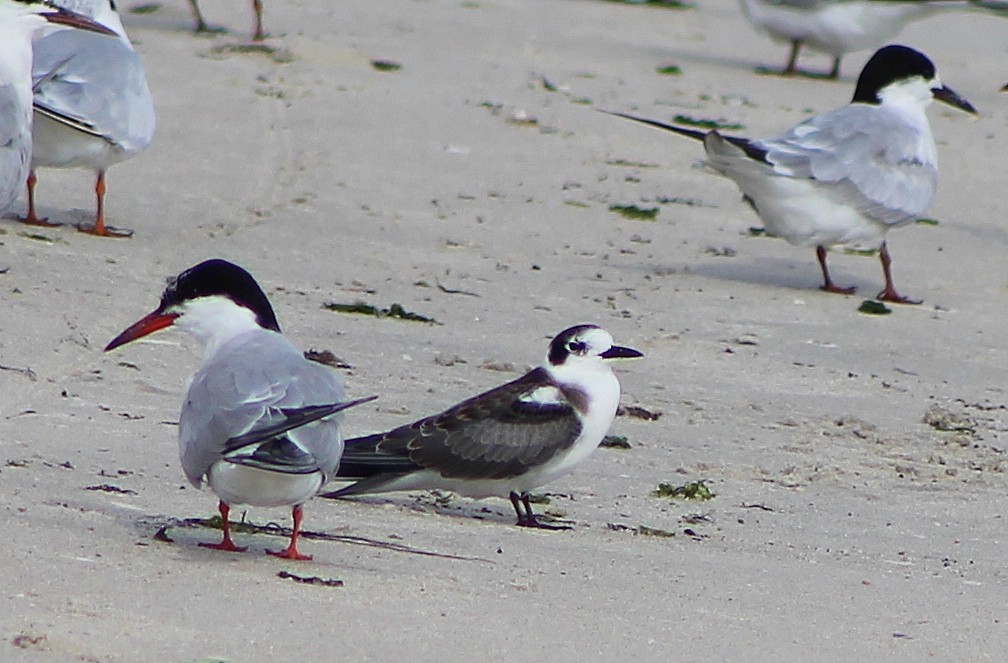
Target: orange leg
292 552
30 217
99 227
226 543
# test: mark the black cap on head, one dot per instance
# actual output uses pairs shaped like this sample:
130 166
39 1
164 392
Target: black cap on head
560 347
890 64
220 277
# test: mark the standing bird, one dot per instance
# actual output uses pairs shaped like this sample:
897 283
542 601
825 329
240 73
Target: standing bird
257 8
847 176
838 27
244 426
93 108
508 440
20 23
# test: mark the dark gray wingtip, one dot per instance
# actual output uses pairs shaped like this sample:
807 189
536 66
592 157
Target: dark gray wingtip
293 418
683 131
362 487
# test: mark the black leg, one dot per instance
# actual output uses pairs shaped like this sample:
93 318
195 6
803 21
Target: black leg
528 518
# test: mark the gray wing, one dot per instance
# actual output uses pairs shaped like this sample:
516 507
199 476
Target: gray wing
94 83
253 382
883 166
495 435
15 145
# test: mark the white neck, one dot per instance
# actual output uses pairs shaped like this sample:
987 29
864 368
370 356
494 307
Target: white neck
214 321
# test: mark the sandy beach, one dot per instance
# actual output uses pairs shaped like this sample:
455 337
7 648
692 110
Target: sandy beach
857 461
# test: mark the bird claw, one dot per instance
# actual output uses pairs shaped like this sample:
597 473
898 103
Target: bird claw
290 553
895 298
829 287
533 522
227 546
105 231
32 220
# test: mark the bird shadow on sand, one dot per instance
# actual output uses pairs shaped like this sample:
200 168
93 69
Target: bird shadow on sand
165 525
778 273
447 505
741 65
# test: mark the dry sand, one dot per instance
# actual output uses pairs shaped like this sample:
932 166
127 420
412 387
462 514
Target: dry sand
844 526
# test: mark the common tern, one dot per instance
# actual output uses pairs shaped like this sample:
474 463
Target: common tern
847 176
257 8
246 426
93 107
20 23
508 440
838 27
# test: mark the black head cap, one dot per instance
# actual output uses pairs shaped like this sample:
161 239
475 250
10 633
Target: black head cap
888 65
567 343
220 277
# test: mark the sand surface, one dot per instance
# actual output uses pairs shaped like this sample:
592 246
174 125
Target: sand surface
473 186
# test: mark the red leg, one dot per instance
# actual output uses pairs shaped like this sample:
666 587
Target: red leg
99 227
889 293
226 543
30 217
292 552
828 284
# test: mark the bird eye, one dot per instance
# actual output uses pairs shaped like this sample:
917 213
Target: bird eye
577 347
113 5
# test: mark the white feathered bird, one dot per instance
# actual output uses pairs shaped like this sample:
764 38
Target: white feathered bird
20 23
93 107
246 426
505 441
847 176
838 27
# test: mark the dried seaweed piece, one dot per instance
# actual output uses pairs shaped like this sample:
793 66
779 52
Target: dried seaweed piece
636 213
707 123
393 311
615 442
310 580
693 490
872 307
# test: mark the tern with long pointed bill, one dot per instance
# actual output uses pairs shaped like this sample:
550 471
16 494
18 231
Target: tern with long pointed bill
847 176
505 441
20 22
93 108
260 423
838 27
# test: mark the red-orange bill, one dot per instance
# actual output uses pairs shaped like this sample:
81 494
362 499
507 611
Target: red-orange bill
74 20
148 324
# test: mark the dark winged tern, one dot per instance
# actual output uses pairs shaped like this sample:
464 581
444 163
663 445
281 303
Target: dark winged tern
505 441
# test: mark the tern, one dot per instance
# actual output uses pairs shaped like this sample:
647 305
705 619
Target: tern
20 23
93 108
247 426
847 176
838 27
508 440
